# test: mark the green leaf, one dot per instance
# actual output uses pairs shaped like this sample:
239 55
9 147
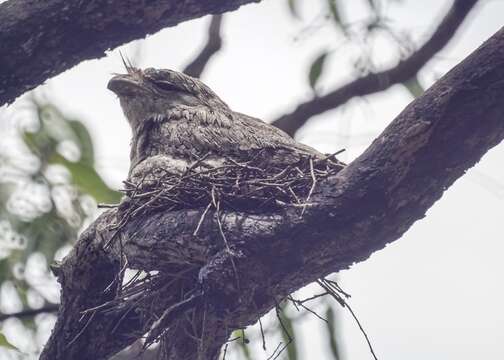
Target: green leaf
316 69
84 141
47 234
6 344
330 316
5 269
87 180
41 144
294 9
55 124
414 87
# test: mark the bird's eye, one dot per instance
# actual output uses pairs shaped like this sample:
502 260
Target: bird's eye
150 71
164 85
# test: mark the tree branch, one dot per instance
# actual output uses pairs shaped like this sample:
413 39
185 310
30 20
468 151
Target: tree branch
212 46
370 203
40 39
50 308
375 82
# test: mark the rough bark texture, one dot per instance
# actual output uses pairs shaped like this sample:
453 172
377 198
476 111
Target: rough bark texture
40 39
375 82
367 205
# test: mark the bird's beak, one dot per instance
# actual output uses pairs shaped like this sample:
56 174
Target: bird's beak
124 84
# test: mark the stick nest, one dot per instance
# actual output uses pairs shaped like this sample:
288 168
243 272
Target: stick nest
248 186
240 186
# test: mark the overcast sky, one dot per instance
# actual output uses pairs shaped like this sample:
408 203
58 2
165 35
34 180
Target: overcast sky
434 294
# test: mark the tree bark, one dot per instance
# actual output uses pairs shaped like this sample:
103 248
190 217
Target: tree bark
40 39
370 203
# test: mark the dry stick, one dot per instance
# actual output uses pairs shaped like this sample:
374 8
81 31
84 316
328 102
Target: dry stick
274 352
245 166
123 316
301 302
106 206
125 219
343 303
150 201
293 301
228 249
314 182
91 317
133 279
196 163
284 329
135 294
122 267
335 285
225 351
99 307
120 275
195 233
330 156
262 335
157 328
313 312
294 194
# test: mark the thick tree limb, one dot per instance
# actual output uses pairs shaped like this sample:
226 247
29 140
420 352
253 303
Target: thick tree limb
375 82
212 46
40 39
370 203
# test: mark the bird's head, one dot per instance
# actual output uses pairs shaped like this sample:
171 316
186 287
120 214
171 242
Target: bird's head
150 92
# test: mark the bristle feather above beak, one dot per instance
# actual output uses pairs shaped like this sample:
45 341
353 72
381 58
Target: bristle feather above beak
127 64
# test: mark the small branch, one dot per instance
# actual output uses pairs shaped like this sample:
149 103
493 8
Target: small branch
212 46
51 308
380 81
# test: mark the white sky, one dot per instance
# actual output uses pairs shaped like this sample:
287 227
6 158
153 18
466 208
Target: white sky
435 293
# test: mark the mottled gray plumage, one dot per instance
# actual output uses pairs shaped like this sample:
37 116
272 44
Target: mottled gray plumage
176 119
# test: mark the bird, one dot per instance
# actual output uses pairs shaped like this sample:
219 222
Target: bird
177 121
176 118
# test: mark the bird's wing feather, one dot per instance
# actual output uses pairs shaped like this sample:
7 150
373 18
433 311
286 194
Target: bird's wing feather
274 137
242 134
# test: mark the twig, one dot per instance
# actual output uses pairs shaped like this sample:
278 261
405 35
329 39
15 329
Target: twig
314 183
107 206
50 308
313 312
225 351
228 249
91 317
284 330
343 303
274 352
159 326
195 233
262 335
330 156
